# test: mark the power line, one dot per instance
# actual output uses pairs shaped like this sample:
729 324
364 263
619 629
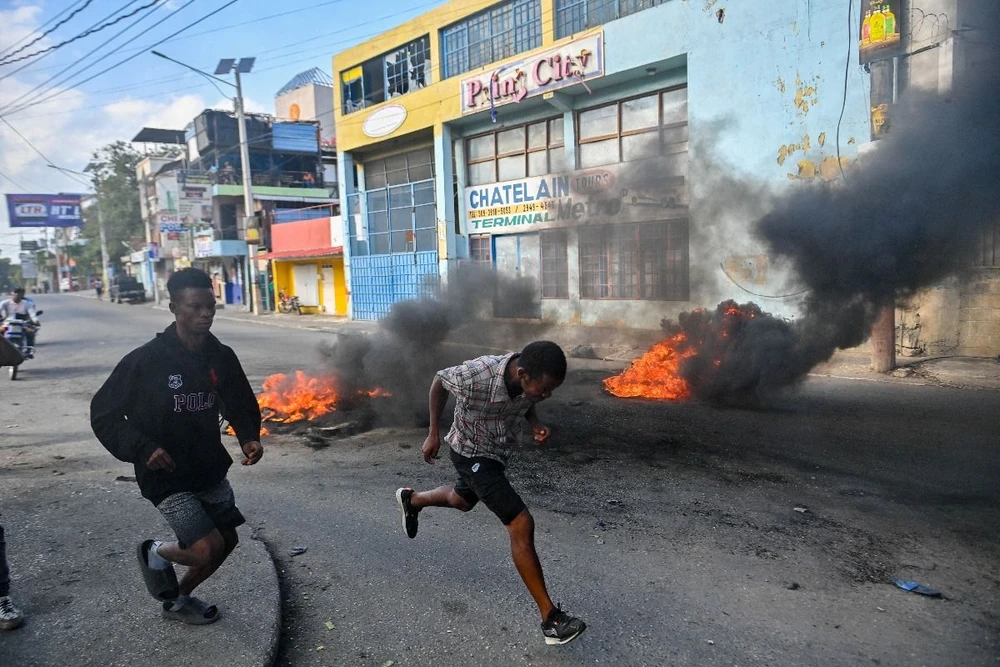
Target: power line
47 32
41 27
132 57
11 179
85 33
36 149
78 60
10 107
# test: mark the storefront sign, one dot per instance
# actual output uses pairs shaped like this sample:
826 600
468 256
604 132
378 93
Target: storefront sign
169 223
203 247
880 29
44 210
556 68
384 121
632 192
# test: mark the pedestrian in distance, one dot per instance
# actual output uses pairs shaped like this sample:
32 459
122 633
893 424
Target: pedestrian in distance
98 288
10 616
494 395
160 410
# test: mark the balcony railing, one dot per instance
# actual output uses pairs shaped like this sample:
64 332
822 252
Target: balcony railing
283 179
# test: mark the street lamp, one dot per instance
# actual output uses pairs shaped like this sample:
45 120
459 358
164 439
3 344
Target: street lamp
242 66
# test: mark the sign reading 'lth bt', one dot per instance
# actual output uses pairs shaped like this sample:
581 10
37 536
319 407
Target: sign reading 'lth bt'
44 210
556 68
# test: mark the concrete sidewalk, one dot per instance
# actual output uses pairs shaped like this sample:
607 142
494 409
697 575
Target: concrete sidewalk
75 578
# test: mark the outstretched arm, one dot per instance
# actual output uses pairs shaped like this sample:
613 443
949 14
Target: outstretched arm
540 431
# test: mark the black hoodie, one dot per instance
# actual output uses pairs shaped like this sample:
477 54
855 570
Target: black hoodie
163 395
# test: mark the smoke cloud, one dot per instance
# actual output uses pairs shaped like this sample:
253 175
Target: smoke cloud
907 215
412 342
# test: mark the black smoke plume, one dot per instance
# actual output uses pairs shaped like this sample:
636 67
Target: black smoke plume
416 339
905 216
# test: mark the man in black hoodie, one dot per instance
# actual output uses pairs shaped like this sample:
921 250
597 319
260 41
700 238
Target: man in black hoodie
159 410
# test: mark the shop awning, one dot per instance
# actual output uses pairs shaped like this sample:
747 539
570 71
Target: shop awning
303 254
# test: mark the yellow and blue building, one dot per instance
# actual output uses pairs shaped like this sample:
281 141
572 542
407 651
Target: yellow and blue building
582 144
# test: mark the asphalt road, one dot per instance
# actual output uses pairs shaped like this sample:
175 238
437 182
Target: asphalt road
671 529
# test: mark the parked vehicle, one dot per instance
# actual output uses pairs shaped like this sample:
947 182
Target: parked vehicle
126 289
15 331
288 304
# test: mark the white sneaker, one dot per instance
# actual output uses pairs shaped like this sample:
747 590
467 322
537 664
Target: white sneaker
10 616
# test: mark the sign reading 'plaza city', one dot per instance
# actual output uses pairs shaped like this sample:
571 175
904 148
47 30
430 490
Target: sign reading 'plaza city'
556 68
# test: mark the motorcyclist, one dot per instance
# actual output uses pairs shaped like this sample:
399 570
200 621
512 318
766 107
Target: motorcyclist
19 307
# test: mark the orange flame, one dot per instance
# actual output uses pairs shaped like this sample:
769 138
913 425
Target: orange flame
655 374
286 399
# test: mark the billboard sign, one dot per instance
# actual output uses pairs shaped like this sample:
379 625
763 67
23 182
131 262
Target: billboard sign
45 210
29 268
880 29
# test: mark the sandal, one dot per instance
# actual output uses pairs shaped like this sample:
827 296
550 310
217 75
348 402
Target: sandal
161 584
194 612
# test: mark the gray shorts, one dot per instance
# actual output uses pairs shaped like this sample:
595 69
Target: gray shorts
194 515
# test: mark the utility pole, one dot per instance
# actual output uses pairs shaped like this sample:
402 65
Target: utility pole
104 245
248 211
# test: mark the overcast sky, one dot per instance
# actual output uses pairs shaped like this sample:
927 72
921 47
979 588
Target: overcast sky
286 37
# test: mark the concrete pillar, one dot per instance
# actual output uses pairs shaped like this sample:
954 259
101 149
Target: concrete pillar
345 176
883 340
445 202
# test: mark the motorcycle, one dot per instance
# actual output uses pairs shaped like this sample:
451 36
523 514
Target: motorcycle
288 304
14 331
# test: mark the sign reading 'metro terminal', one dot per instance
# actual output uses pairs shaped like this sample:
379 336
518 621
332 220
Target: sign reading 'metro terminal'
555 68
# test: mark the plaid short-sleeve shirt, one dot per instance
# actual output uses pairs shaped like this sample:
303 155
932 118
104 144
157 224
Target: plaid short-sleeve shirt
487 420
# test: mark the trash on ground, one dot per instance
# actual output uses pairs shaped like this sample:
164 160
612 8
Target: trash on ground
329 625
298 551
801 510
124 478
914 587
794 586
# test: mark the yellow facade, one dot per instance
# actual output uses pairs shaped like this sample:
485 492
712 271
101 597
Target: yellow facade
284 281
439 102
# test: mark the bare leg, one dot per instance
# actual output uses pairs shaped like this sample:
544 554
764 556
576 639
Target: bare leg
522 548
443 496
202 558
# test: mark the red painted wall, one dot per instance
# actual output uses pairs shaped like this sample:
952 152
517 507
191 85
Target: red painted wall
301 235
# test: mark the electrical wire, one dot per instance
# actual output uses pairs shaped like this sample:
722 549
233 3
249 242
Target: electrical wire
847 69
11 179
77 61
37 150
45 34
85 33
762 296
69 7
39 99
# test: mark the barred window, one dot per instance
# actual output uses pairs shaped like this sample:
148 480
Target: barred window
390 75
480 250
527 150
643 261
555 266
986 254
499 32
635 129
408 68
574 16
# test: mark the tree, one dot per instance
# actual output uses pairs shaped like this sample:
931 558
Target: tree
10 276
113 171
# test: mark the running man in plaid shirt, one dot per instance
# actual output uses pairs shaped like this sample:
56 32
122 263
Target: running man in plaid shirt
493 395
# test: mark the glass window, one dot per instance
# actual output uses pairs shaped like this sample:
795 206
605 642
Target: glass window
509 168
647 261
554 265
599 153
600 122
650 126
499 32
408 68
574 16
537 136
640 113
510 141
481 147
480 249
527 150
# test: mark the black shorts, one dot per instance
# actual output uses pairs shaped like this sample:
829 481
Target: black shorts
481 478
195 515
